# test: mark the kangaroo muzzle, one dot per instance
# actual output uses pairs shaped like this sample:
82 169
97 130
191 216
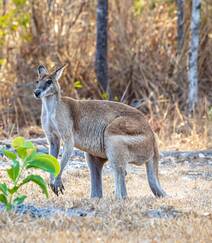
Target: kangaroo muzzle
37 93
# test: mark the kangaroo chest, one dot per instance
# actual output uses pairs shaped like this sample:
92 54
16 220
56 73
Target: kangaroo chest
54 121
49 123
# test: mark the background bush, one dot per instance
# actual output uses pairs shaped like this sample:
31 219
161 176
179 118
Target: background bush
142 55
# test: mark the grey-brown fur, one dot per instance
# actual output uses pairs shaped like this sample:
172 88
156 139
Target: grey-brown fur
105 130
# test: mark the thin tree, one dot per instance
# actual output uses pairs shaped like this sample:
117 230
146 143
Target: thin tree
180 25
193 55
101 44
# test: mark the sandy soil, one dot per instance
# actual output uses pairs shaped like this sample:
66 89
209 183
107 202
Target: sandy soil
184 216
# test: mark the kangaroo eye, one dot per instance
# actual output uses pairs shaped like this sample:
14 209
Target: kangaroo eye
37 82
49 81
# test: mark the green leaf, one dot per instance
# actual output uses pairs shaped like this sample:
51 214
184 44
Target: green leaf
22 152
37 180
31 151
30 157
77 85
19 3
4 188
13 172
44 162
18 142
28 145
19 200
105 96
9 154
23 148
13 190
3 199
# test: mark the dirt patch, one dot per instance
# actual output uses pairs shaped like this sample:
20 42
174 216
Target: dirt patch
47 212
166 212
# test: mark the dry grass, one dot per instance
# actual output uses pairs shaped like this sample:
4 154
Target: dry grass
141 56
197 136
121 221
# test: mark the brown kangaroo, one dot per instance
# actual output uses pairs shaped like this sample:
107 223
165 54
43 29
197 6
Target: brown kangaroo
105 130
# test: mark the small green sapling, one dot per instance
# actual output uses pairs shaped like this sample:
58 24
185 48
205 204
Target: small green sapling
25 157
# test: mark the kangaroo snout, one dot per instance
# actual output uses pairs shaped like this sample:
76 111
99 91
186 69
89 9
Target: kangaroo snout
37 93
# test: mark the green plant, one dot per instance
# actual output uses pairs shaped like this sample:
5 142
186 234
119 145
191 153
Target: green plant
138 6
210 113
77 84
25 158
16 19
105 96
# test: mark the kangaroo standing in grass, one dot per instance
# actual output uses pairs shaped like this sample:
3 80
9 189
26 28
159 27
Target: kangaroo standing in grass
105 130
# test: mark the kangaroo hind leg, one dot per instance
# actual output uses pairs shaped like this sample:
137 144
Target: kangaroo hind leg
119 170
95 165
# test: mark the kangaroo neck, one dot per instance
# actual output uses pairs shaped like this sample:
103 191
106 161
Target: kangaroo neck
49 103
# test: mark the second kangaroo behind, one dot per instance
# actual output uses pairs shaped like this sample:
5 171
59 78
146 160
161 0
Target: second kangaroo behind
105 130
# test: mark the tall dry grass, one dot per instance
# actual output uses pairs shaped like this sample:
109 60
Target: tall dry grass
143 65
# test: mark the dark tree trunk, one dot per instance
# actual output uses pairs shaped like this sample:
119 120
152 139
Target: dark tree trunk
101 44
180 25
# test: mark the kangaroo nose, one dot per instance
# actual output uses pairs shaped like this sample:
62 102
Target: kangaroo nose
37 93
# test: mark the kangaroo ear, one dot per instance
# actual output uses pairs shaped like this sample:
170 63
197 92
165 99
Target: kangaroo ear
58 73
42 71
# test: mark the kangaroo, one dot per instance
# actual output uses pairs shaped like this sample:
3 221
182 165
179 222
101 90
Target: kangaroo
104 130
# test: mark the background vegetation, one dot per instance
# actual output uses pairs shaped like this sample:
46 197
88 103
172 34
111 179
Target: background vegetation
143 66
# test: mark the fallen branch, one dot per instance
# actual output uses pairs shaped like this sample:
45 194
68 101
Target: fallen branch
37 141
187 154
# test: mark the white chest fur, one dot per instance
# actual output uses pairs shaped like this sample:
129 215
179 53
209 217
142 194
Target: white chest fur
48 117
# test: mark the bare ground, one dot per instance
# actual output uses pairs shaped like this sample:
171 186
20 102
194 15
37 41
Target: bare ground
184 216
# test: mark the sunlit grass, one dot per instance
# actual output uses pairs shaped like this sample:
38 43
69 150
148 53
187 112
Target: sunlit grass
115 220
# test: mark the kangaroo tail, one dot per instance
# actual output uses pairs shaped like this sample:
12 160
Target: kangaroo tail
152 173
156 156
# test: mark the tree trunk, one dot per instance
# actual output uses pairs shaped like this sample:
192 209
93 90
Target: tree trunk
101 44
180 25
193 55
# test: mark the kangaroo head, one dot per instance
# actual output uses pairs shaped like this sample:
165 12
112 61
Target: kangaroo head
47 84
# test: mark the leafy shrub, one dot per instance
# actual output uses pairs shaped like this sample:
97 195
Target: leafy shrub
24 158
